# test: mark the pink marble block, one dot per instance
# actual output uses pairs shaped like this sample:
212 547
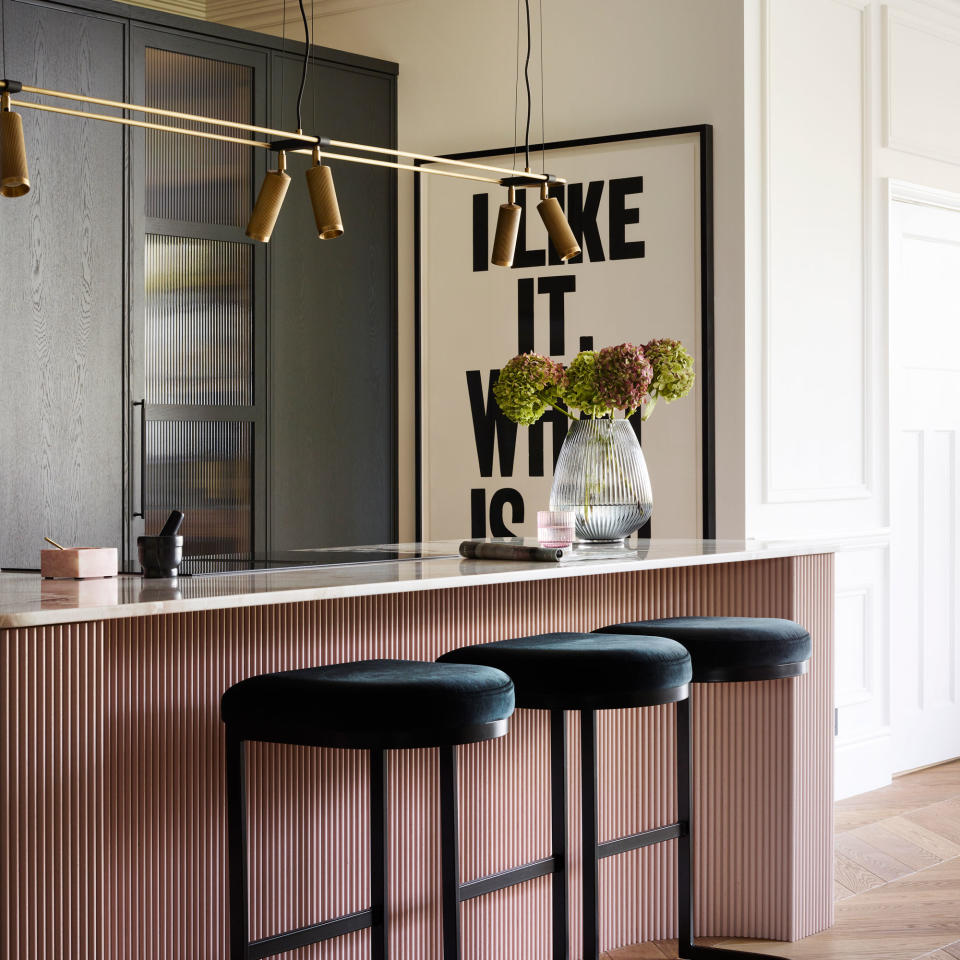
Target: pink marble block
79 563
112 806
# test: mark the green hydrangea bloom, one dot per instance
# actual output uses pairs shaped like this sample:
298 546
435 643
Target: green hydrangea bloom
529 384
673 374
581 391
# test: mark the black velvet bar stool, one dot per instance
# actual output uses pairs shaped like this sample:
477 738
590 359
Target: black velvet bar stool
375 705
559 672
723 650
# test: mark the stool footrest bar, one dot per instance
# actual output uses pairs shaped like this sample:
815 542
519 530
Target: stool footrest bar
508 878
646 838
315 933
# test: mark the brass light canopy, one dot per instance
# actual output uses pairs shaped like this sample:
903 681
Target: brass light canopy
269 201
561 236
508 228
14 174
323 197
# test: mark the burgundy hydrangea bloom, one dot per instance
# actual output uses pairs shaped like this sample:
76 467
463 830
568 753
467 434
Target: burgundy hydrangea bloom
623 376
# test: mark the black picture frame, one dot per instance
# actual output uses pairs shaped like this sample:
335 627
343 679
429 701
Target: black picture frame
706 362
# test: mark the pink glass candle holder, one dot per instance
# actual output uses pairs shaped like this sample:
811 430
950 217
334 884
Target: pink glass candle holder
555 527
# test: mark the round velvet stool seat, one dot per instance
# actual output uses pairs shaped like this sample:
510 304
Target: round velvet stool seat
731 649
723 650
374 705
560 672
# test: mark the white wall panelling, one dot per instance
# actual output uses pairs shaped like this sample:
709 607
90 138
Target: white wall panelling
925 514
922 85
816 255
854 659
816 336
863 759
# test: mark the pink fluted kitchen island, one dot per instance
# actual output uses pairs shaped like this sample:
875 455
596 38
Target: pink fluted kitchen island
112 814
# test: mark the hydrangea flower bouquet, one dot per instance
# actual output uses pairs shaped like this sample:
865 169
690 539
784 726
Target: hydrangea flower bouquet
601 474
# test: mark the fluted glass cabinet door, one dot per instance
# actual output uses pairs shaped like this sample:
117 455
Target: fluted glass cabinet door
188 178
197 435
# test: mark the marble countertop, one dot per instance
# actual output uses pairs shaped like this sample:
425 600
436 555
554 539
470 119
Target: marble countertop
26 600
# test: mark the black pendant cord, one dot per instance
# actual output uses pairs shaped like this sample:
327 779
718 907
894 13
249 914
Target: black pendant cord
313 32
543 126
283 50
3 38
516 86
526 74
306 60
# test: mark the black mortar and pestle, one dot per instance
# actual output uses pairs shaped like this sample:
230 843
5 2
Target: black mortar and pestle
160 556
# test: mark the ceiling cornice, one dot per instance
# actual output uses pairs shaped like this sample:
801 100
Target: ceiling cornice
267 17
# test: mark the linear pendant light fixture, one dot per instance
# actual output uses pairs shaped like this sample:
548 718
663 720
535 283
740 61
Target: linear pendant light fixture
15 179
508 219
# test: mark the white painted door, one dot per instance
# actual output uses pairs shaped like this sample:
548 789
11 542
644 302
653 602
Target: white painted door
925 422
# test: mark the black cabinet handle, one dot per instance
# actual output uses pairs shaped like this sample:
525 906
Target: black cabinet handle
142 404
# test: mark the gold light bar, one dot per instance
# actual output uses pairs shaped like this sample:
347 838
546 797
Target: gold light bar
425 156
262 144
144 124
404 166
174 114
252 128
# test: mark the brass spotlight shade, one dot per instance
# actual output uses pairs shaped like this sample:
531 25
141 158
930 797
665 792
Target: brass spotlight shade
508 227
14 175
323 197
269 201
561 236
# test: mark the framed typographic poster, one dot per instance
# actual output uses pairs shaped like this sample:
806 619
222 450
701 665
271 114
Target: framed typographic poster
641 206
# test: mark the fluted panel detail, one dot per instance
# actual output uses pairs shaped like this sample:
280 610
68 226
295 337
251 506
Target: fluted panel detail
199 321
53 793
189 178
203 468
813 605
112 799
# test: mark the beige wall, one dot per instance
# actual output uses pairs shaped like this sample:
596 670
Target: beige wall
610 67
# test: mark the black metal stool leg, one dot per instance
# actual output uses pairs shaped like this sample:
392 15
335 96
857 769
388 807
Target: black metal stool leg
685 841
449 853
591 864
558 821
237 846
379 841
687 947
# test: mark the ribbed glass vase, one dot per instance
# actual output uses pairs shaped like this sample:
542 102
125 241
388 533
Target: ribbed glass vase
602 477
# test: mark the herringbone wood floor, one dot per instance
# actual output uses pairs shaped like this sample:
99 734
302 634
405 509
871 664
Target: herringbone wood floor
897 878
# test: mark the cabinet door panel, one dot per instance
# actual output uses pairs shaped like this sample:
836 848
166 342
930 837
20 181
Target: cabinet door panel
199 307
333 327
62 296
